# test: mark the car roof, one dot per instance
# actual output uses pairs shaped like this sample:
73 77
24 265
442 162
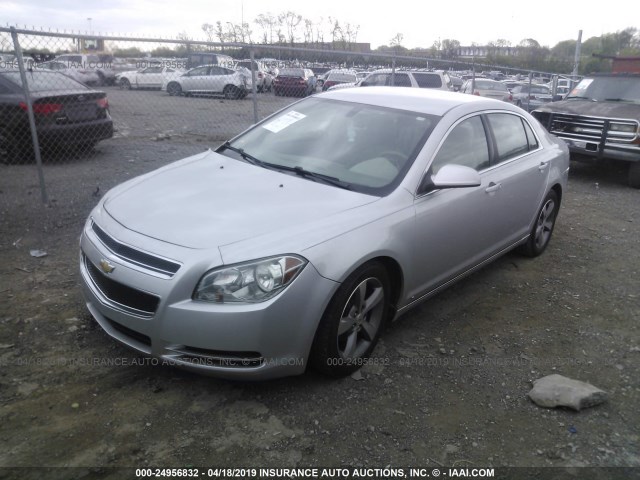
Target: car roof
427 101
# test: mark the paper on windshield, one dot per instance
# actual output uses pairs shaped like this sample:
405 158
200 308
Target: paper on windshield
284 121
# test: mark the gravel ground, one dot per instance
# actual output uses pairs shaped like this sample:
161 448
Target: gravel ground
447 385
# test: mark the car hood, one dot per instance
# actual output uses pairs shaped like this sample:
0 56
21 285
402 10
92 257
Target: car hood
211 200
596 109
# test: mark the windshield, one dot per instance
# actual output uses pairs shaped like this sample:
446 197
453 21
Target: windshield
370 148
41 81
608 88
485 85
342 77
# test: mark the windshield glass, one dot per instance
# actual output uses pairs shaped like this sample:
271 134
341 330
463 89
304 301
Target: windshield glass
370 148
608 88
342 77
41 81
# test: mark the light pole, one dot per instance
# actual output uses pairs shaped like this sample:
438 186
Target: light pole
89 20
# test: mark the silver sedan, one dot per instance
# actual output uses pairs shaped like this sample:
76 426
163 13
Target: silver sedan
295 242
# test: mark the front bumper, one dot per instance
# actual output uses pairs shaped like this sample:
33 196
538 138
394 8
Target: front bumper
154 314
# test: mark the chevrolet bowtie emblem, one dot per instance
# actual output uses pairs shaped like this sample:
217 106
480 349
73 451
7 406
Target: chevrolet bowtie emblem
106 266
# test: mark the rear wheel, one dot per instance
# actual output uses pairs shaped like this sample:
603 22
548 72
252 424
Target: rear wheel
125 84
352 323
231 92
174 89
634 175
101 79
543 227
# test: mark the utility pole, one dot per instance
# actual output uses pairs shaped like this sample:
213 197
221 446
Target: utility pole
576 58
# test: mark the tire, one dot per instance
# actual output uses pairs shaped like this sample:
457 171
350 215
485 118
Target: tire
125 84
174 89
633 177
10 151
231 92
101 79
543 226
352 323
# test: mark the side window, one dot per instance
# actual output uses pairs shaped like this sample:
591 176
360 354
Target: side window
198 71
465 145
428 80
377 79
401 80
510 136
533 141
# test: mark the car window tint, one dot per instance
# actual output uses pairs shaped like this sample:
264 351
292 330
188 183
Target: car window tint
198 71
428 80
511 139
465 145
533 141
400 80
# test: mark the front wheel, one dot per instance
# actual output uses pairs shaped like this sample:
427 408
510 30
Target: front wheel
352 323
543 227
633 178
125 84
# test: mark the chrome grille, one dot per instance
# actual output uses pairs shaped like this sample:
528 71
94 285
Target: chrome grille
122 297
134 256
592 129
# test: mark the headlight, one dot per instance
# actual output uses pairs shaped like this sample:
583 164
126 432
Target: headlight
249 282
621 127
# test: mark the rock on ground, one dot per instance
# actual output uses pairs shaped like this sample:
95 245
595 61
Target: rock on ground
558 391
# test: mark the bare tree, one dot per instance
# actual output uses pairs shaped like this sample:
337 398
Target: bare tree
268 22
396 41
290 20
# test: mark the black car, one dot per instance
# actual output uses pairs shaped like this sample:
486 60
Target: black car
67 114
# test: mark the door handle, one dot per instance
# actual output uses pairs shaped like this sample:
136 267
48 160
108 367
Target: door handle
493 187
543 166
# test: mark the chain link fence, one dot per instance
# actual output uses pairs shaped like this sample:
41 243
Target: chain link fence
69 100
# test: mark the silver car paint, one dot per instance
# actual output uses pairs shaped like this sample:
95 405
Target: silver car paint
335 230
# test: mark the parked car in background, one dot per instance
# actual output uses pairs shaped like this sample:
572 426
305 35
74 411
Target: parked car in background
294 82
404 78
101 64
264 80
485 87
599 119
150 77
336 77
531 96
197 59
234 84
295 242
82 75
67 114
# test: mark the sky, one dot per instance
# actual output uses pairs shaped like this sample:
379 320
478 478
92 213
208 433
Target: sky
420 22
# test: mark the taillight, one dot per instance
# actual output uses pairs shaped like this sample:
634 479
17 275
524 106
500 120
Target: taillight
43 108
510 97
103 102
476 92
260 75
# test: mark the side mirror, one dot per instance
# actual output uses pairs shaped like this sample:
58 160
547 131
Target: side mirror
451 176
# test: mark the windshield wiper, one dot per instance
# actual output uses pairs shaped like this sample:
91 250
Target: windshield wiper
620 100
245 156
297 170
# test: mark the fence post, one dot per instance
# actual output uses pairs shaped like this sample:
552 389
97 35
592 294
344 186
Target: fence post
529 96
253 86
32 120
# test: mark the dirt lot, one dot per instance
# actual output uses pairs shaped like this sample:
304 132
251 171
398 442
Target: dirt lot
450 384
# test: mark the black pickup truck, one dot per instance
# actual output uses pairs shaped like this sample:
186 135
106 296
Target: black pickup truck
599 119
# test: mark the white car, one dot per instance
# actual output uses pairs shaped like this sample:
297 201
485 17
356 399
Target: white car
211 79
101 64
82 75
151 77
